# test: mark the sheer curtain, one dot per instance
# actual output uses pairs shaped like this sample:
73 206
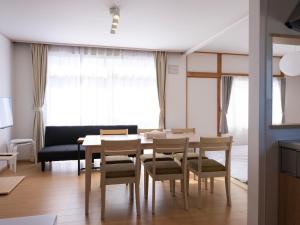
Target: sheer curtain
91 86
237 116
276 104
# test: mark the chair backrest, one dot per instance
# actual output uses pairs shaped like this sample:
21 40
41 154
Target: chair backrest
114 132
216 144
120 147
140 131
171 146
183 130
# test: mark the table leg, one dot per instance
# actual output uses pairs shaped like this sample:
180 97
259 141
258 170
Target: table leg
15 164
88 164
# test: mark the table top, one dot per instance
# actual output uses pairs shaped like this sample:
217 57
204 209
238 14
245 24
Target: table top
8 156
95 140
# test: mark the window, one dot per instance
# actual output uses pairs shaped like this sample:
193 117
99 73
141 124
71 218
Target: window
90 86
237 115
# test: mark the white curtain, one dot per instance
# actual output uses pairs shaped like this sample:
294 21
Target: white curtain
91 86
237 115
276 104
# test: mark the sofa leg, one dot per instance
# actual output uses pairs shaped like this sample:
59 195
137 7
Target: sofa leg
43 166
78 167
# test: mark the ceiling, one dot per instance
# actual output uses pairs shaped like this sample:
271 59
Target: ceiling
172 25
149 24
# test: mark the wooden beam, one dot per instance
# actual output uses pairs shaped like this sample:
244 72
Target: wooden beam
202 75
219 73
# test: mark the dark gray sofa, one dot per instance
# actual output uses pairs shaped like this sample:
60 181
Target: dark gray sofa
61 142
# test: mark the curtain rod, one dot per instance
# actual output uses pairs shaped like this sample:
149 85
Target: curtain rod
94 46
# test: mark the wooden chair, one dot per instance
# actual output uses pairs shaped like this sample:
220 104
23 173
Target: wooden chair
114 132
140 131
121 173
148 157
209 168
192 154
116 158
183 130
167 170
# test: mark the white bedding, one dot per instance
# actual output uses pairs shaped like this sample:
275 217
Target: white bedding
239 161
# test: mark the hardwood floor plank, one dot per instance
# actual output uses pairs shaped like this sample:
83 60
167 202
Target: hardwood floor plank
61 192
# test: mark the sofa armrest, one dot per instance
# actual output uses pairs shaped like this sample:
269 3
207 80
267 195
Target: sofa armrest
80 140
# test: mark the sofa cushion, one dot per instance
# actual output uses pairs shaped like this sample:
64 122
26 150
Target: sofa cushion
61 152
65 135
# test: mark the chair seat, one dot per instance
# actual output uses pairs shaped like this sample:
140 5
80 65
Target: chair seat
190 156
208 165
145 158
118 159
164 167
120 170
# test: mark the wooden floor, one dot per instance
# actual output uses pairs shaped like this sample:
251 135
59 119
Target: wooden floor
61 192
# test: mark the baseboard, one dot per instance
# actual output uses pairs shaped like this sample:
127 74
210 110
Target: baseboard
240 184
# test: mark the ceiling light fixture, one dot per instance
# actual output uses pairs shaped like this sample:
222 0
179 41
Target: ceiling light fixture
115 12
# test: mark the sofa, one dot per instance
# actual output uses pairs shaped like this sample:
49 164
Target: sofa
61 142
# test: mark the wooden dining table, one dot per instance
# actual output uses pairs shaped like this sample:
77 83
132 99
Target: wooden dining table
92 144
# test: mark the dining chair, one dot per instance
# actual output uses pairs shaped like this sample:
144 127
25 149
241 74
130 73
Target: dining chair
146 157
167 170
114 132
209 168
183 130
141 131
120 173
116 158
192 154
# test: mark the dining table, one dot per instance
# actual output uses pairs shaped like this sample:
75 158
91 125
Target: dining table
92 144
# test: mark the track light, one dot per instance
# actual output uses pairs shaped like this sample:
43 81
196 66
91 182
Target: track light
115 12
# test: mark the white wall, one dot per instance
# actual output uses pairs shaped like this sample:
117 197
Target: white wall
175 91
23 96
5 85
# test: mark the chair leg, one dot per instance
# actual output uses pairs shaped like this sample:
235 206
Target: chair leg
228 192
188 182
131 192
173 187
153 196
103 187
199 192
211 185
146 183
185 192
137 198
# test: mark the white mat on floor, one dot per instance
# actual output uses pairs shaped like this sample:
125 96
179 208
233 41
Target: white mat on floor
30 220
